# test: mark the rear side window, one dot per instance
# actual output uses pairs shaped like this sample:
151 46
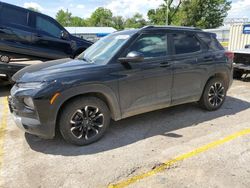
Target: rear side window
151 45
14 16
47 26
186 43
211 42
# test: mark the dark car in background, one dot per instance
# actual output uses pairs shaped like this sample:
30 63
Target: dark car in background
29 34
124 74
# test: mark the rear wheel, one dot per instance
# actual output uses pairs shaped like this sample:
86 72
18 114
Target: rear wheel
5 59
214 94
84 120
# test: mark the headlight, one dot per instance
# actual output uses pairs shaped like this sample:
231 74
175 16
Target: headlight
30 85
28 101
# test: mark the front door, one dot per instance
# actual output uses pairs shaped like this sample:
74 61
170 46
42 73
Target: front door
146 85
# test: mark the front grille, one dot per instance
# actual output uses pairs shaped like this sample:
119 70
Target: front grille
11 103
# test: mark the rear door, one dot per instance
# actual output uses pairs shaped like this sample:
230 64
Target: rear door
15 32
192 63
47 38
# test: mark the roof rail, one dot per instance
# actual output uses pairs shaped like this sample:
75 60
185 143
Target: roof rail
169 26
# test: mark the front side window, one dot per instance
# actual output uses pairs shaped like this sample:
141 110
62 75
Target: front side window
186 43
14 16
151 45
48 27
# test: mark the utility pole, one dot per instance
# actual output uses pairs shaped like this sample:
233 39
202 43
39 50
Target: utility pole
167 13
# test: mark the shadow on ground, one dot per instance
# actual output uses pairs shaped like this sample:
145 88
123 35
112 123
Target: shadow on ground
247 79
4 90
131 130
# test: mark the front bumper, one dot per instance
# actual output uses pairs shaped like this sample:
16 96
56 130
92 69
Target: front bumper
28 120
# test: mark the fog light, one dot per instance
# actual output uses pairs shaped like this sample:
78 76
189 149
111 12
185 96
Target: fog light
29 102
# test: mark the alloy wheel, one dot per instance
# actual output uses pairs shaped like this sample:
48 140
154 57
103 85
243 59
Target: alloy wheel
86 123
216 94
5 59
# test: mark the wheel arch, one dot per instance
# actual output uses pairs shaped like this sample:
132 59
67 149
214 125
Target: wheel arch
222 75
102 92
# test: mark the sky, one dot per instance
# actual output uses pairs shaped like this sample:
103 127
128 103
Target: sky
126 8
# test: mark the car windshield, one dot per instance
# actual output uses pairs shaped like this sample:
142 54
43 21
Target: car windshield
104 49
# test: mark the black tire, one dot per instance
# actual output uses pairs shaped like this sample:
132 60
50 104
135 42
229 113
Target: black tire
214 94
75 125
237 74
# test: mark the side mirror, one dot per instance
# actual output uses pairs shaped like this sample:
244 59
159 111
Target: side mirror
64 35
132 57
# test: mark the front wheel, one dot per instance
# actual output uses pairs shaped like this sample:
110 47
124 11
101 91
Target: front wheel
214 94
84 120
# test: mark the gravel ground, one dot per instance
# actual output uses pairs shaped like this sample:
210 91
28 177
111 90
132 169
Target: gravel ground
137 145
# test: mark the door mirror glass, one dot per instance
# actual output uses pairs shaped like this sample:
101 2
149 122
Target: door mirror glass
64 35
132 57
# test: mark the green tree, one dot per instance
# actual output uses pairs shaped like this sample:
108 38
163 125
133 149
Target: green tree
101 17
203 13
76 22
159 16
137 21
64 17
118 22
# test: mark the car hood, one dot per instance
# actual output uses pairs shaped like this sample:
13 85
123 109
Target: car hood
52 69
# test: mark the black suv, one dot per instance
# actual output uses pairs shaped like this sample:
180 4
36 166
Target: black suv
124 74
25 33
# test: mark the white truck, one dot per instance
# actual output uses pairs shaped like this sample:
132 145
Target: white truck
239 44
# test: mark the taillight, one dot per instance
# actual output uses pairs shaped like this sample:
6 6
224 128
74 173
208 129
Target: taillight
230 55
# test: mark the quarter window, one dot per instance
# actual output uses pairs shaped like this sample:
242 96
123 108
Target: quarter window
151 45
48 27
185 43
211 41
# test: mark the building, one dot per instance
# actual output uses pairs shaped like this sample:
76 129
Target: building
222 33
239 36
90 33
